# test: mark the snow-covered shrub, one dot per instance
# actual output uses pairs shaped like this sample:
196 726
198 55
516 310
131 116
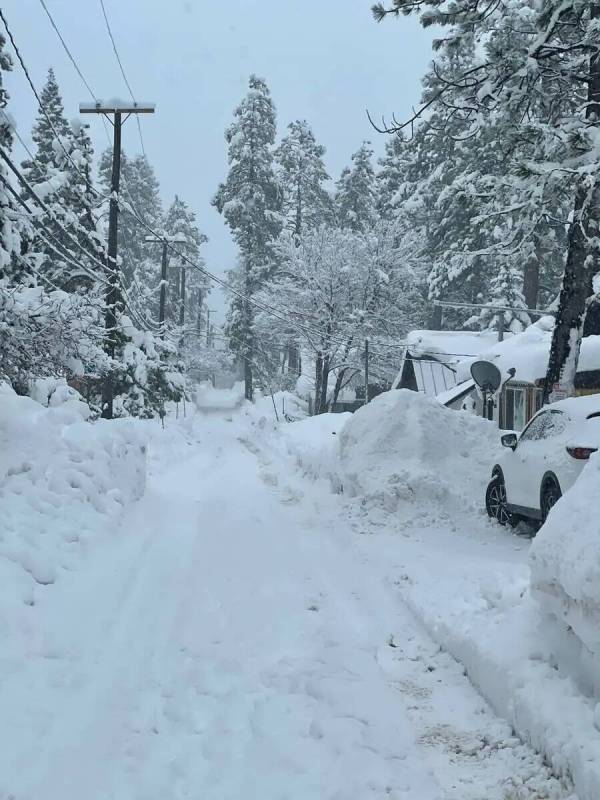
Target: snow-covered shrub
565 576
405 451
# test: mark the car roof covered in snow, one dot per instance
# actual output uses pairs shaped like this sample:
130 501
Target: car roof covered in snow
578 408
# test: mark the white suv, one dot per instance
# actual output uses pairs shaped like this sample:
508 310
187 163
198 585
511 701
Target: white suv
544 461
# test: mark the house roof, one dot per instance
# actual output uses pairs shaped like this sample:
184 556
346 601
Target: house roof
528 353
456 392
449 347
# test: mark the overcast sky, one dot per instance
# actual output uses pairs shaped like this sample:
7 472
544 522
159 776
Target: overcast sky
324 60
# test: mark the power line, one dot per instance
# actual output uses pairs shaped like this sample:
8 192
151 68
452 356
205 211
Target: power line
68 52
27 186
41 105
120 63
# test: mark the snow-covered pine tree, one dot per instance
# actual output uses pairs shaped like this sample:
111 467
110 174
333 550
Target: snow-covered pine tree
60 174
356 193
250 200
45 130
505 290
180 222
302 174
42 332
392 175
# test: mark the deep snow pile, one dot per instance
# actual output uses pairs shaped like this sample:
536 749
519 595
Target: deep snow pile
565 573
406 452
62 479
313 443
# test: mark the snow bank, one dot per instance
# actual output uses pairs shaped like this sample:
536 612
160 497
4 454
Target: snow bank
408 453
565 575
313 444
62 480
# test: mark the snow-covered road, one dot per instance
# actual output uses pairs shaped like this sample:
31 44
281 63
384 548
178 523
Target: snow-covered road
235 640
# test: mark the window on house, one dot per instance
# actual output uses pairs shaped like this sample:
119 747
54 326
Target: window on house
515 416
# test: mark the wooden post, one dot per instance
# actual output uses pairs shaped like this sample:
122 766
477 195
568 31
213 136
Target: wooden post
114 300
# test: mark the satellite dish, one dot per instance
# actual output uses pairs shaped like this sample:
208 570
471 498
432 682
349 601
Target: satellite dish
486 375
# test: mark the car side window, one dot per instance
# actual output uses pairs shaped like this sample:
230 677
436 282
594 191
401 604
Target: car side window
544 426
535 428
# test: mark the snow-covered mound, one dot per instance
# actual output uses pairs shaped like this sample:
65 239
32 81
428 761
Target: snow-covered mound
61 481
565 564
313 443
405 451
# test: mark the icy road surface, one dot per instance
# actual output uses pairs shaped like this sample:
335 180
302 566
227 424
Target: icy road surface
234 641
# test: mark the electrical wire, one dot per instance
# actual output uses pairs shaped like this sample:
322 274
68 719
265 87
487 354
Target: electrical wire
41 105
120 63
66 48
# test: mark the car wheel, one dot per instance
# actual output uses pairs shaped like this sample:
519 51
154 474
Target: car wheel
550 496
495 501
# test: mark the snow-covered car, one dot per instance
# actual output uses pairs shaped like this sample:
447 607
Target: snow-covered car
544 461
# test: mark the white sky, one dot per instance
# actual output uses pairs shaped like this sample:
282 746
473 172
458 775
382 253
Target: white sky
324 60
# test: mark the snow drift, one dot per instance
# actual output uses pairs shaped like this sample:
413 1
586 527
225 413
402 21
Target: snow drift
565 574
406 452
62 480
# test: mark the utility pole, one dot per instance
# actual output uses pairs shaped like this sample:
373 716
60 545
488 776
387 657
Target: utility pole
114 301
199 317
209 311
164 241
181 295
366 371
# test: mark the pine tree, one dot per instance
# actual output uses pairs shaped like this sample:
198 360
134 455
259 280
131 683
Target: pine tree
391 176
250 200
356 193
47 127
302 173
41 332
60 173
180 222
505 290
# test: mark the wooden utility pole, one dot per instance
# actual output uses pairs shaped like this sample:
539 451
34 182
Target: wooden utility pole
181 296
114 300
366 371
209 311
164 241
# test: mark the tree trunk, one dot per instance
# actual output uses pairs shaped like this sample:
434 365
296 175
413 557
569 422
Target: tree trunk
324 384
531 277
576 288
339 379
248 337
318 379
582 262
435 318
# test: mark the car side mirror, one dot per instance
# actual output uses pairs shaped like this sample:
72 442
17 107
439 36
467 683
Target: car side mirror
509 440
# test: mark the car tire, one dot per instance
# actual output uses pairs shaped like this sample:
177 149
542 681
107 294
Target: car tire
495 502
549 496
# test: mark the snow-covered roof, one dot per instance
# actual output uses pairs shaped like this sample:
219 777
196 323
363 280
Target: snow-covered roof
450 347
528 353
455 392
